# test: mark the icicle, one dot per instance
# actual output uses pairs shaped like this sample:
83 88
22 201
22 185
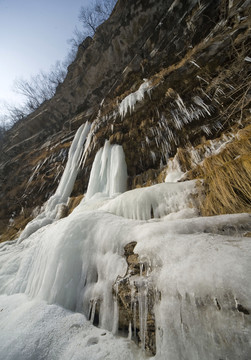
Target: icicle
153 156
183 115
206 130
133 307
161 199
134 317
93 310
194 63
142 286
130 331
129 101
115 311
198 101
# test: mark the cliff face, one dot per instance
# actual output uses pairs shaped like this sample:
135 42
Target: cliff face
159 78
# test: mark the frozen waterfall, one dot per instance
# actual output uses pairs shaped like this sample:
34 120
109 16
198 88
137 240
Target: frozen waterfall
65 186
59 279
109 173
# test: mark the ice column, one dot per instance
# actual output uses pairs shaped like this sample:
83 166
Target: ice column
65 186
109 172
71 170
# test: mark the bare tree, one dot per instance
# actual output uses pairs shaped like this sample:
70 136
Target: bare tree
16 113
74 42
35 91
3 127
90 17
40 87
95 14
57 74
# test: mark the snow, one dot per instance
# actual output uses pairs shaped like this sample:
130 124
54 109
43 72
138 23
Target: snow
34 330
52 281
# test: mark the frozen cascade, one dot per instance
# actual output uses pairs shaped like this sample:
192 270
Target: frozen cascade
109 172
68 178
202 280
167 199
200 266
65 186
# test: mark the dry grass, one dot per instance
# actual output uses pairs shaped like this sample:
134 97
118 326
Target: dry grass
74 202
227 177
184 159
228 186
12 232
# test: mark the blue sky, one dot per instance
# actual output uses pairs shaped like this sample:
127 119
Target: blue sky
33 36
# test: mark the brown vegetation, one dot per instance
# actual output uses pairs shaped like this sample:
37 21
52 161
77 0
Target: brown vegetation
227 177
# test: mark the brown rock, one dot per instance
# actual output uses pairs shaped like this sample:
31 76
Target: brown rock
132 292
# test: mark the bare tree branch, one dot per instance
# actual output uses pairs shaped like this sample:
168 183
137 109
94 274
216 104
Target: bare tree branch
42 87
94 15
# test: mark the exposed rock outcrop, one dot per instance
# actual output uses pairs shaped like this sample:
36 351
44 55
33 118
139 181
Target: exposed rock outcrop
136 297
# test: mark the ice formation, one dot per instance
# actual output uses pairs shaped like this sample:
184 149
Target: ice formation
109 172
64 189
173 172
152 202
130 100
53 281
34 330
181 114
